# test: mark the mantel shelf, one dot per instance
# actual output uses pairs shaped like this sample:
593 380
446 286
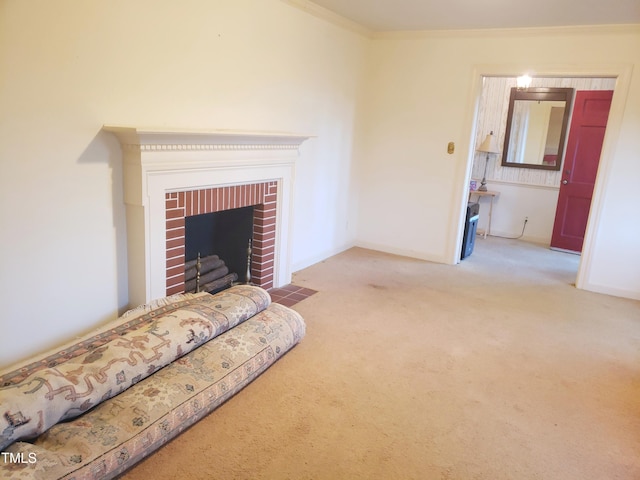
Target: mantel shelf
182 138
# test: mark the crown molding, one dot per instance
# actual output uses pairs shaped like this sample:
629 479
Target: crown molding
329 16
633 29
554 70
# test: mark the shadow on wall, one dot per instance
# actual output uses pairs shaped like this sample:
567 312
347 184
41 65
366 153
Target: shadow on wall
105 149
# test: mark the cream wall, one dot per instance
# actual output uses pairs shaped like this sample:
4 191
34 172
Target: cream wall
70 66
424 91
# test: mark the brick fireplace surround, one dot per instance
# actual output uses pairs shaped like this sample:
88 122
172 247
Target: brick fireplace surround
180 205
170 174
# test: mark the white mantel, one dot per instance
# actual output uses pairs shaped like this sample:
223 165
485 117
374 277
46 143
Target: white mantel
159 161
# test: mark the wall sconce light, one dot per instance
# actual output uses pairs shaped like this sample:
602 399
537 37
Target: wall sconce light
489 146
523 82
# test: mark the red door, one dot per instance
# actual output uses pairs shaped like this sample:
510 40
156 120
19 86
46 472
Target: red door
584 145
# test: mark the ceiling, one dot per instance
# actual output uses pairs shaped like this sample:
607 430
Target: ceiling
396 15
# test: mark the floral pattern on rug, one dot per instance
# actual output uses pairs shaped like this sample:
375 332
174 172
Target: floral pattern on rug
69 382
115 435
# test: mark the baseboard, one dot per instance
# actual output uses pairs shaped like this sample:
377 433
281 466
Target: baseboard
307 262
564 250
514 236
401 252
615 292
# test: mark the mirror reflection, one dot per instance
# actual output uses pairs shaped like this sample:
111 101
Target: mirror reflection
536 127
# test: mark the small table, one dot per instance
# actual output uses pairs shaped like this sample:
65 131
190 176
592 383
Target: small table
491 195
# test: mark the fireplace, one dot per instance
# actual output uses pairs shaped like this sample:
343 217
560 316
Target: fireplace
172 175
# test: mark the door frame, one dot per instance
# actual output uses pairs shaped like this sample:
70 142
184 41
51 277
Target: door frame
622 74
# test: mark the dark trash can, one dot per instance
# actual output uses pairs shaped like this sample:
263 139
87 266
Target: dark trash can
470 227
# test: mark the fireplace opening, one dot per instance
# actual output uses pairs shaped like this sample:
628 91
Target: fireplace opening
183 205
218 249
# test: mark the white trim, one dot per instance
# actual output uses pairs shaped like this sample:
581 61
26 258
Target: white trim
307 262
460 192
614 125
156 163
564 250
160 138
516 236
616 292
402 252
508 32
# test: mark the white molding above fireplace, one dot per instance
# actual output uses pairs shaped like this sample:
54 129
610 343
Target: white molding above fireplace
179 139
159 161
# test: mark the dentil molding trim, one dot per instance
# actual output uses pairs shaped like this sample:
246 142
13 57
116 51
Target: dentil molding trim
176 139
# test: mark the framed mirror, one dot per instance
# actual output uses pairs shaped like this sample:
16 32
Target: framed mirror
537 124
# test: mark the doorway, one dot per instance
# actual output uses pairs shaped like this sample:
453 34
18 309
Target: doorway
525 194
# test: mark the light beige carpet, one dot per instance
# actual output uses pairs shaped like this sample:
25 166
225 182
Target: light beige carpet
497 368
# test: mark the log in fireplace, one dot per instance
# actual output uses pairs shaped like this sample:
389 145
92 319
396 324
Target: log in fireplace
218 249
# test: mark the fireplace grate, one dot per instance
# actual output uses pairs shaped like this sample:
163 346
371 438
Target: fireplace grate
208 274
